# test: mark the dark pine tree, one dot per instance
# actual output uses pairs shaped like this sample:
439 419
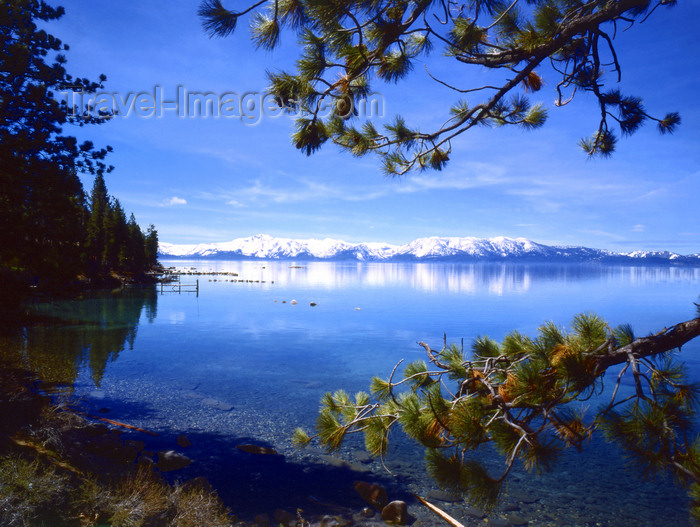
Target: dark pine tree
96 240
136 243
41 196
151 247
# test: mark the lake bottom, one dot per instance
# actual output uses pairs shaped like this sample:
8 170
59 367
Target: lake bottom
592 488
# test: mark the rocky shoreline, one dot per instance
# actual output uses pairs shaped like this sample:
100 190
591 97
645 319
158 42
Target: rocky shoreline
81 446
106 450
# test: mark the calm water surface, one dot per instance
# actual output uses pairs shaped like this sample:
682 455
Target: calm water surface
240 363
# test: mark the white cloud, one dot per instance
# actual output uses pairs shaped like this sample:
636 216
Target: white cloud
639 228
603 234
294 189
174 201
462 177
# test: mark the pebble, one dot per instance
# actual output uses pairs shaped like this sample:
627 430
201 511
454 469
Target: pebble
367 512
473 512
516 520
523 498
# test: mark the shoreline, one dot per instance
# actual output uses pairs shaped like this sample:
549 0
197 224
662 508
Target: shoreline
59 446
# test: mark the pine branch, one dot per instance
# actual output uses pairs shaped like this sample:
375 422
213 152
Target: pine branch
664 341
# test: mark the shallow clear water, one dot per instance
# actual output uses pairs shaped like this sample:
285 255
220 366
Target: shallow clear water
239 363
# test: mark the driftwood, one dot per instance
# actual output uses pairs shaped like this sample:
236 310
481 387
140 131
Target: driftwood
449 519
50 456
116 423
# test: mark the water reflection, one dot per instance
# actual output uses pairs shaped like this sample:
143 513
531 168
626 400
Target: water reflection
90 331
268 362
494 279
86 334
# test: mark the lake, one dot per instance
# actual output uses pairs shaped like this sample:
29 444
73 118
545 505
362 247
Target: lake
247 358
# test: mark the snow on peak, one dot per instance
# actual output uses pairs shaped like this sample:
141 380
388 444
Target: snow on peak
500 248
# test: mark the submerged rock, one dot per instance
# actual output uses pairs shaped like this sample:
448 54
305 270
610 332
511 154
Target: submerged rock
473 512
262 520
333 521
362 456
169 460
183 441
341 463
372 493
395 512
285 518
256 449
517 521
219 405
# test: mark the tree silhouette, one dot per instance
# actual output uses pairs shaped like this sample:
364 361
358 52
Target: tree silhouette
41 197
49 231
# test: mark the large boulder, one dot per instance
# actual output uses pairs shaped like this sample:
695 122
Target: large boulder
395 512
169 460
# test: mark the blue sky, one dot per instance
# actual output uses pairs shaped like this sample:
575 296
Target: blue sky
207 179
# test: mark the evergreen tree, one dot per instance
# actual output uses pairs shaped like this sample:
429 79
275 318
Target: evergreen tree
96 241
41 197
112 244
115 236
151 247
523 396
135 247
346 45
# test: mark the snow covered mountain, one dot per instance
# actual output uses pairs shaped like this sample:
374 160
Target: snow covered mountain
434 248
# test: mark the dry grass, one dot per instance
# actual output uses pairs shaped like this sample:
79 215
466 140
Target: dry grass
39 485
29 491
196 506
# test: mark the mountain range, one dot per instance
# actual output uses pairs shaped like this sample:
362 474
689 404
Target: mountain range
467 249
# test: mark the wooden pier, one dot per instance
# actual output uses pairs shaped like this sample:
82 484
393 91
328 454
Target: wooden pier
174 285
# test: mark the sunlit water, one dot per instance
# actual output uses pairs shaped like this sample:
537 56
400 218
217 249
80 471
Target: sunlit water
240 363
